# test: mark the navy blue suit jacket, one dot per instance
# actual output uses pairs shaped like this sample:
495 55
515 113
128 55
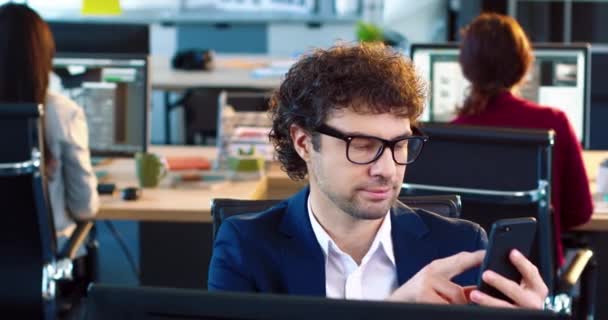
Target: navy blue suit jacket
276 251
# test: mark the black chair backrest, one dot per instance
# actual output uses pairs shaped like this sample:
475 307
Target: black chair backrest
221 209
446 205
498 172
27 238
248 100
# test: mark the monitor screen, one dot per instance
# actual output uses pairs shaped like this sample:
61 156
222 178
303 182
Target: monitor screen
558 78
117 303
97 37
113 91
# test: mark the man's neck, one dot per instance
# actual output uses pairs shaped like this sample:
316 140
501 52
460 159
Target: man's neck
353 236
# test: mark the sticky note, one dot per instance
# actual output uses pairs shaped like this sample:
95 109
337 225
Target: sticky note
101 7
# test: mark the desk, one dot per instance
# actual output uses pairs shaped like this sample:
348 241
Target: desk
230 72
166 204
599 220
184 205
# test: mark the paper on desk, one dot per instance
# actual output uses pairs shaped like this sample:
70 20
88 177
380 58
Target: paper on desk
277 68
268 73
240 63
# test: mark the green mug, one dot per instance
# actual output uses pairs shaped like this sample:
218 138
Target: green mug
150 169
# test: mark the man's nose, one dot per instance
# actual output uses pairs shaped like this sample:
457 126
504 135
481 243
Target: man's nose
385 165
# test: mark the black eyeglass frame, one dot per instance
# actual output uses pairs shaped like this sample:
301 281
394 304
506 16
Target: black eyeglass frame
333 132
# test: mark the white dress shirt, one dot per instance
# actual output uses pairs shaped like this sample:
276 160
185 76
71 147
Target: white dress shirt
374 279
72 185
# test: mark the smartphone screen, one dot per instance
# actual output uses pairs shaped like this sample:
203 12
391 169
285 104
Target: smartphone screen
506 235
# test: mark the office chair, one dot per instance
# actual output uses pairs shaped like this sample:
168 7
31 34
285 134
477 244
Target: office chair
32 265
499 173
221 209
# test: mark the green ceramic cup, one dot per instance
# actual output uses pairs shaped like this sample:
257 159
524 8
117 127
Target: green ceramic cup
150 169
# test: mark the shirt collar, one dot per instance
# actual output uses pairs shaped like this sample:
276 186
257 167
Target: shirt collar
383 237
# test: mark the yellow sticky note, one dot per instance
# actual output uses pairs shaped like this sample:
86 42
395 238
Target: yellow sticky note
101 7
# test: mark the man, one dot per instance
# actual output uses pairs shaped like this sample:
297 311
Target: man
345 118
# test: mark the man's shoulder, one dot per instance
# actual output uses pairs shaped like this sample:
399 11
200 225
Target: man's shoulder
260 221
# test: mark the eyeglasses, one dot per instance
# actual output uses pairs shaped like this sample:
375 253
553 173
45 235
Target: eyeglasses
361 149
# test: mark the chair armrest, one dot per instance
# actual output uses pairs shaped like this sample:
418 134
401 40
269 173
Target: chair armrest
76 240
572 273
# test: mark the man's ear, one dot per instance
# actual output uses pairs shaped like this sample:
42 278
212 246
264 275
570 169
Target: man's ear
302 142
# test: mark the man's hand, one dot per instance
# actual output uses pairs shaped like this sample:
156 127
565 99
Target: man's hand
433 283
530 293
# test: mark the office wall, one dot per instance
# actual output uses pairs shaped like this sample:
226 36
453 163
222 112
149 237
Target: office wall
419 21
163 44
163 39
286 39
245 37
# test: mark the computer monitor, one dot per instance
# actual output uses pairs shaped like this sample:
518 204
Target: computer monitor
559 78
121 302
96 37
598 115
113 90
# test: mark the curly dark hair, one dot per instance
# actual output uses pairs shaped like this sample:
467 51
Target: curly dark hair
367 78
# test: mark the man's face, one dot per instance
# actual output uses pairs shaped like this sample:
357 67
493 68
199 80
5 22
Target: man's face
362 191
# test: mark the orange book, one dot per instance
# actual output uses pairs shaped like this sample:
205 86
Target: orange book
188 163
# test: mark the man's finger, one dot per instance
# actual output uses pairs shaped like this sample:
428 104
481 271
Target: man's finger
467 292
529 272
486 300
454 265
433 297
450 291
508 287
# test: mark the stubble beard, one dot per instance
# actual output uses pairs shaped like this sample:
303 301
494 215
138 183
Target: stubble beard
353 205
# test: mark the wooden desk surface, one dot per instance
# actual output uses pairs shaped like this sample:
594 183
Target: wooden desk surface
229 72
164 203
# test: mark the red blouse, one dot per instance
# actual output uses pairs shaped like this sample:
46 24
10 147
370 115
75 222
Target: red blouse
570 196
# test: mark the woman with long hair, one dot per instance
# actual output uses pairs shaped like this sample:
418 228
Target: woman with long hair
26 53
495 56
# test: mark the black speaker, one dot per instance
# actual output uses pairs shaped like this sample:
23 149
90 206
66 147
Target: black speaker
193 59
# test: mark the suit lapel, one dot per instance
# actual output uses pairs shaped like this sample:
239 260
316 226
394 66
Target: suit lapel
305 262
412 251
302 255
